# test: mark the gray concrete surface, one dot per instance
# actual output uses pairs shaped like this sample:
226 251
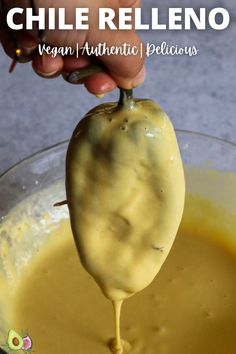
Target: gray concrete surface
199 93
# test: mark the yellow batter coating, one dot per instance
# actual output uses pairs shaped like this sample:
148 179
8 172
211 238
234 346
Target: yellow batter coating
125 192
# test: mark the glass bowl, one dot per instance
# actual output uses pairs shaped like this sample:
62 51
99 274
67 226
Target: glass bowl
39 180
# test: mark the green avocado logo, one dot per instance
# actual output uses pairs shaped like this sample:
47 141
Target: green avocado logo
16 342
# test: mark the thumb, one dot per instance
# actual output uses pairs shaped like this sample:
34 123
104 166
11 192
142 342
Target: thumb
126 66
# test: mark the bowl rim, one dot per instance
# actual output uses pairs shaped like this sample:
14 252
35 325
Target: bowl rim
51 147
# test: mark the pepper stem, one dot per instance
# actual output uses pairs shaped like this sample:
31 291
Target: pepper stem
126 99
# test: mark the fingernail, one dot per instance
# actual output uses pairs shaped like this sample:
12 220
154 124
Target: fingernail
51 75
139 79
100 95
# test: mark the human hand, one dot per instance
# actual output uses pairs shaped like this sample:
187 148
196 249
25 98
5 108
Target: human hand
123 71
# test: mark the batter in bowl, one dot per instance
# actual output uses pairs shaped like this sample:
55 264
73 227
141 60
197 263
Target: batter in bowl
189 307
